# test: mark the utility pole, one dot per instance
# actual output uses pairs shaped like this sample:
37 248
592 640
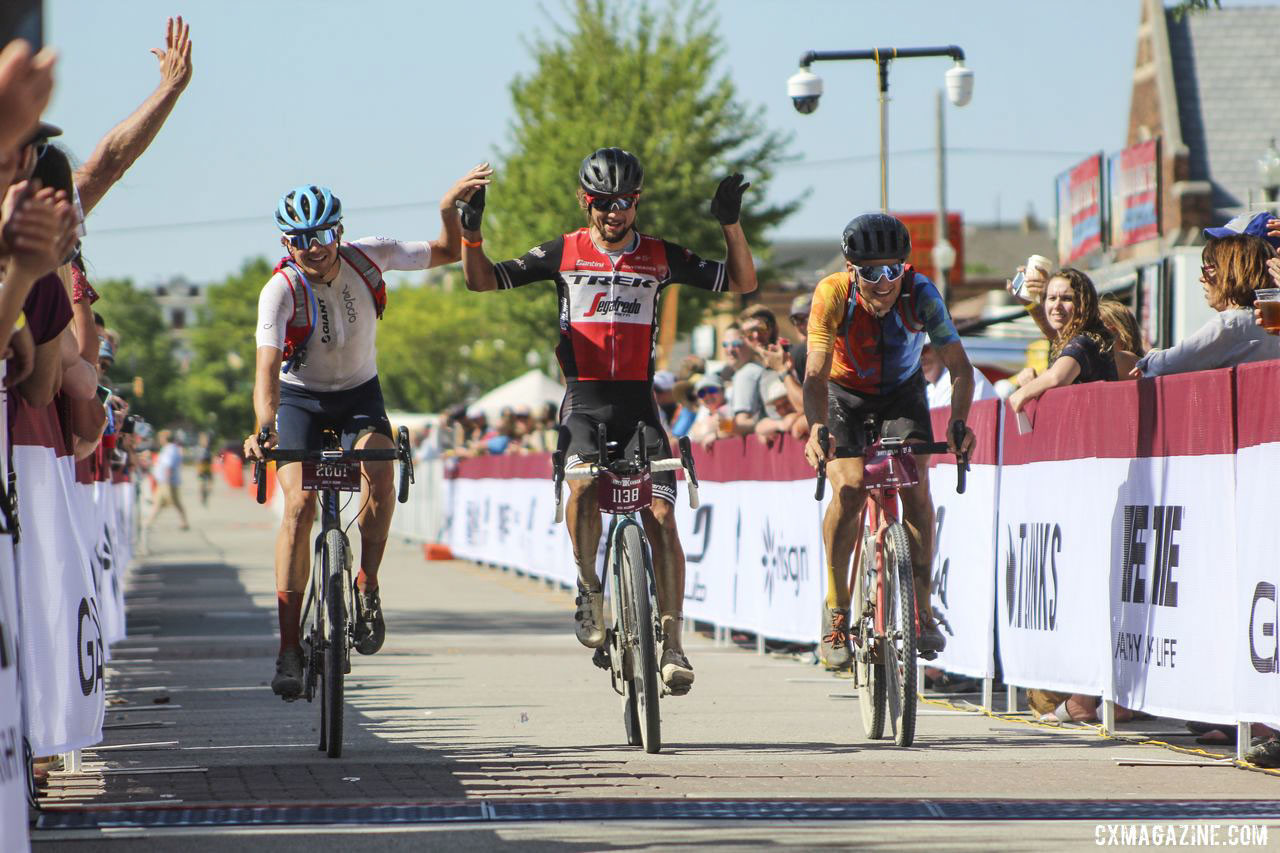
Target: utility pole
944 254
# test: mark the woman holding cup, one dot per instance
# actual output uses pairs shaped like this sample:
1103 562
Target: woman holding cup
1233 274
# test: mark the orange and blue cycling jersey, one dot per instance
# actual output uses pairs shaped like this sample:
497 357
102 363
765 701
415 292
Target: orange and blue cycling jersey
875 355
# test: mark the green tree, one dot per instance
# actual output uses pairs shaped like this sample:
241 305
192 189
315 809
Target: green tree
219 387
622 74
146 351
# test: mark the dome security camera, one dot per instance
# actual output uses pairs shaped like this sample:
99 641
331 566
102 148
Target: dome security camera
804 88
959 84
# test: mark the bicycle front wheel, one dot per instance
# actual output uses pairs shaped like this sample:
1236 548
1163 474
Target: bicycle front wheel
637 622
871 677
900 628
335 649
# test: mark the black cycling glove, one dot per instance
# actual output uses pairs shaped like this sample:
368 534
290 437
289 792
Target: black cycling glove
471 211
727 203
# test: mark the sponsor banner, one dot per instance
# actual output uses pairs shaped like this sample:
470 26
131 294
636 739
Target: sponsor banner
1134 177
1255 624
13 766
964 559
923 228
1079 198
62 647
106 559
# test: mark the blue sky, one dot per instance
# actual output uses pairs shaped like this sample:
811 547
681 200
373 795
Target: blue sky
391 100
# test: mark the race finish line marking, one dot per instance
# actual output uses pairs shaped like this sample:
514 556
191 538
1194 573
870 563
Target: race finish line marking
501 811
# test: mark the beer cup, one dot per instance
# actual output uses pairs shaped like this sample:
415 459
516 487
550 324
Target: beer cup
1268 301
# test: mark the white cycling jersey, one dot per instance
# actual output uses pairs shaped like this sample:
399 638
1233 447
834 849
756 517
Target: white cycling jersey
342 352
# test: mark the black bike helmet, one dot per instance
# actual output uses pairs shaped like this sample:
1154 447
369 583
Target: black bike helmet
875 235
611 171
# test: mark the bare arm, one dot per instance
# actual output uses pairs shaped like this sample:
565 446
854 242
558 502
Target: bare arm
1062 372
42 383
817 368
266 386
477 269
447 248
125 142
741 266
957 363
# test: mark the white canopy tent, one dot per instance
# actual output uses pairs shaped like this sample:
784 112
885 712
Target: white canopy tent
533 389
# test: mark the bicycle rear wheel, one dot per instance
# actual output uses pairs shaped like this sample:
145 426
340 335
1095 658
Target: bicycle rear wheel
871 675
335 648
900 626
637 623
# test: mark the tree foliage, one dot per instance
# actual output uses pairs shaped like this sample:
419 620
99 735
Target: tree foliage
623 74
146 351
219 386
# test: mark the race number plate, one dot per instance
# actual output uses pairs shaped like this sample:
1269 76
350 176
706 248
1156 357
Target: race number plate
624 494
339 476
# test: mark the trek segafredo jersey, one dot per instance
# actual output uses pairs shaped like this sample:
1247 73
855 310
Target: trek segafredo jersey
609 300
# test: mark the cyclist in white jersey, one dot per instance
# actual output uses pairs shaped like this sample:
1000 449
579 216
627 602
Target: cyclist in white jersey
317 370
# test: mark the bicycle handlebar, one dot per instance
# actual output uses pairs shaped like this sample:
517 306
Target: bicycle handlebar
590 472
378 454
925 449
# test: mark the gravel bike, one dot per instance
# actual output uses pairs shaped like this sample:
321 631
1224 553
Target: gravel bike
885 623
624 487
327 633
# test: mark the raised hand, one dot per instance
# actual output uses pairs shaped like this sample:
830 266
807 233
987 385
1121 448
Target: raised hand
175 58
26 83
726 205
470 183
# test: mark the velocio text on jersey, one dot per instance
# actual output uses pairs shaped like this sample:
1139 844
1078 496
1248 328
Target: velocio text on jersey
603 305
621 279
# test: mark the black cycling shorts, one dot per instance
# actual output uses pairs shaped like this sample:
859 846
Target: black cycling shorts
304 415
903 413
620 406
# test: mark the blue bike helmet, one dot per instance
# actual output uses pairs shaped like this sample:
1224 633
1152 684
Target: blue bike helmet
308 207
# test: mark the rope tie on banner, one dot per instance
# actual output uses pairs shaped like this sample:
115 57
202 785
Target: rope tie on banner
1095 728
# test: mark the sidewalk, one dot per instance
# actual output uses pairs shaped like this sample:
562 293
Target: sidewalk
482 692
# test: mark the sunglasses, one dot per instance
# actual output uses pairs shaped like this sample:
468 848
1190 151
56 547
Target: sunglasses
303 239
879 271
733 344
707 392
605 203
1208 270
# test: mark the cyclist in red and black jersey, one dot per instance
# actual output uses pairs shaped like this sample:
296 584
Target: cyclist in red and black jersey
608 277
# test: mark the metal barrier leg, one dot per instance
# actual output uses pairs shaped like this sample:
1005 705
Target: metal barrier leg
988 693
71 761
1010 699
759 644
1244 734
1108 716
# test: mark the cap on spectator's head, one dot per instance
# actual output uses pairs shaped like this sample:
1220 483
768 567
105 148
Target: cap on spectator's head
106 350
801 305
774 390
708 382
523 411
475 413
456 412
664 380
1253 224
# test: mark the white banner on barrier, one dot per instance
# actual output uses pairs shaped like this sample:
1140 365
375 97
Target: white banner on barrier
106 555
1254 649
964 578
13 766
1172 587
1052 572
62 649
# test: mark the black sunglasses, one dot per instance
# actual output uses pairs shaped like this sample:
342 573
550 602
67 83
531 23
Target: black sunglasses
605 203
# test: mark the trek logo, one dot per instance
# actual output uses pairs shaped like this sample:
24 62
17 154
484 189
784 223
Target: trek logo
1164 522
617 278
1031 576
602 306
783 565
1263 637
89 654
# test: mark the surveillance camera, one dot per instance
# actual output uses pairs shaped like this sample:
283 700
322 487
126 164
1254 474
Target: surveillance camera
959 85
804 88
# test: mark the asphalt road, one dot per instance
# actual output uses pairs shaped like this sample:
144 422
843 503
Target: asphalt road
482 698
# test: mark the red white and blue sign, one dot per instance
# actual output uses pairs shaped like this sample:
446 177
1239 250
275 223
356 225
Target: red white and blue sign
1135 194
1080 210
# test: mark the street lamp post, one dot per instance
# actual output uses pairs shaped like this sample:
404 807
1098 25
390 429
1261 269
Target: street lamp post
1269 170
805 88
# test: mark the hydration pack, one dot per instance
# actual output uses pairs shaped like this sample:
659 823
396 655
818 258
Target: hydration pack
302 322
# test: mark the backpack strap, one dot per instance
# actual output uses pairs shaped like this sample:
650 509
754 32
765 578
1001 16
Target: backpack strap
369 272
851 299
302 322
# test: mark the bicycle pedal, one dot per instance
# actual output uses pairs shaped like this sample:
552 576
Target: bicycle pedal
601 658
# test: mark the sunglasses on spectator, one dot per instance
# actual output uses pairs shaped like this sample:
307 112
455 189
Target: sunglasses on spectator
605 203
303 239
875 273
733 344
1208 270
706 392
799 319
